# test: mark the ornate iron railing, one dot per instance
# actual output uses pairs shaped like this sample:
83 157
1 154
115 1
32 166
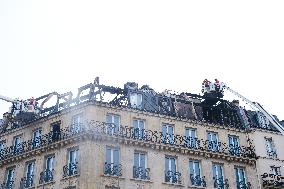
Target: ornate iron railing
7 185
112 169
46 176
234 150
272 153
220 183
173 177
243 185
44 140
70 169
171 139
191 142
100 128
141 173
36 142
197 180
272 180
27 182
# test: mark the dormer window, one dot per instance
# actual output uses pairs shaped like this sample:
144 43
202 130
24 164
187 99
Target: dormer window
136 100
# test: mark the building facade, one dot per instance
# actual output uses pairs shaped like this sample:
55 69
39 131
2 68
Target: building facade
92 144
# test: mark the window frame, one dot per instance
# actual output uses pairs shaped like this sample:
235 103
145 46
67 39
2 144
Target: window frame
169 140
113 130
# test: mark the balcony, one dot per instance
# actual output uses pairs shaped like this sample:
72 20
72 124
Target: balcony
7 185
43 141
129 133
272 154
46 176
141 173
112 169
270 181
243 185
173 177
27 182
234 150
221 183
70 169
197 180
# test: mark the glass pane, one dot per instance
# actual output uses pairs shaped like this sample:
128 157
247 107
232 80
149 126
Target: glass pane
142 161
214 170
135 124
172 164
108 156
191 169
141 124
116 156
196 168
167 164
136 159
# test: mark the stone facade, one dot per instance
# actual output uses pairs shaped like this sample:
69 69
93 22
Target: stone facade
91 141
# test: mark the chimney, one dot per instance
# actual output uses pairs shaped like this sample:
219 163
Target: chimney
236 102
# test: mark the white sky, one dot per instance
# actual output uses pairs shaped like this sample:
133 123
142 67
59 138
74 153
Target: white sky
60 45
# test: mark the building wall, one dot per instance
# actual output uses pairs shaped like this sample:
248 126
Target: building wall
92 152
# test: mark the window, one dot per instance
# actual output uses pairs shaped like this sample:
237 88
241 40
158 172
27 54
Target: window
17 144
213 141
77 121
37 138
171 174
271 152
113 123
112 165
191 139
218 176
275 170
140 166
2 145
56 132
241 178
234 145
47 174
139 128
136 100
72 167
29 180
168 133
10 173
195 173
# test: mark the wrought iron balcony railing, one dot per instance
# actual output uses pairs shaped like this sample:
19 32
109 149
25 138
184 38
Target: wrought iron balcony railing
32 144
100 128
220 183
173 177
7 185
243 185
70 169
191 142
197 180
112 169
141 173
272 153
171 139
272 180
36 142
234 150
46 176
27 182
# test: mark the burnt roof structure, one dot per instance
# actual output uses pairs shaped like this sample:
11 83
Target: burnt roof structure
211 109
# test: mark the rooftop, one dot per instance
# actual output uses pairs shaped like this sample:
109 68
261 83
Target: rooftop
210 108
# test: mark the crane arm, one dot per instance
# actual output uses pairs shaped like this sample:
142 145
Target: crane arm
7 99
257 106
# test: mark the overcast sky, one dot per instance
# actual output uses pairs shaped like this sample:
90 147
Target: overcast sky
60 45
